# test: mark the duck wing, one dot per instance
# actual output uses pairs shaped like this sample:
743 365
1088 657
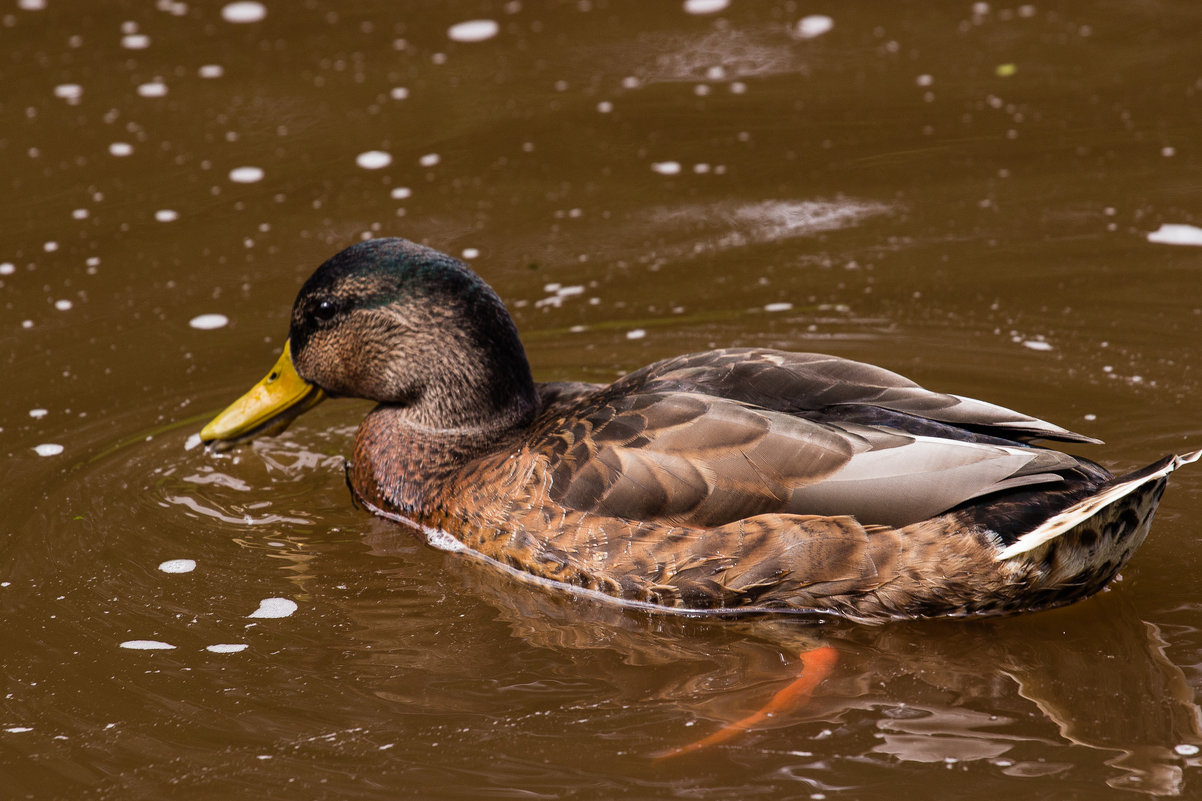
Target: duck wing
696 459
828 387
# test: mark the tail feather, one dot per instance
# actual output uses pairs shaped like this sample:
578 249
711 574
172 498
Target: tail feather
1064 521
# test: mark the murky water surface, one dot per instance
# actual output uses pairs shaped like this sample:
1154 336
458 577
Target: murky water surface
970 193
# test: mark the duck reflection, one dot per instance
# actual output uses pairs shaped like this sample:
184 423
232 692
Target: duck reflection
1019 693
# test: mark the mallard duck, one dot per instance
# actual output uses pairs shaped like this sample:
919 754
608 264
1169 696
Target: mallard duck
729 480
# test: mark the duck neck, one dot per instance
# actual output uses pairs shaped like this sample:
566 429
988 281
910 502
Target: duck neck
402 465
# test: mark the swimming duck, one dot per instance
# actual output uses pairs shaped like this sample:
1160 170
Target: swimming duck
726 481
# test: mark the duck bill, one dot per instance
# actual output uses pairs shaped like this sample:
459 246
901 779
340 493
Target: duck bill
267 409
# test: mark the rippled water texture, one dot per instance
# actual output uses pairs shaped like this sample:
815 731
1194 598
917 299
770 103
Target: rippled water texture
1003 201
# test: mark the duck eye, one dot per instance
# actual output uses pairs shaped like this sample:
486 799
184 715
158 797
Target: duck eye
325 310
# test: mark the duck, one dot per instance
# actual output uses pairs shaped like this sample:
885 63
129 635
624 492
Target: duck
730 481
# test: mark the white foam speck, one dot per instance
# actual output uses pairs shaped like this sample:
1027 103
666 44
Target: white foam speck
166 215
207 322
31 5
1037 344
152 89
705 6
274 607
246 175
63 304
50 246
135 41
401 192
666 167
178 566
429 160
7 268
605 107
470 253
211 71
68 91
1176 234
18 729
80 214
814 25
147 645
474 30
778 307
399 93
227 647
191 442
1186 749
48 449
636 333
373 159
244 12
38 414
121 148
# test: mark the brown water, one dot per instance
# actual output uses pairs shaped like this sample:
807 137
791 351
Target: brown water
959 192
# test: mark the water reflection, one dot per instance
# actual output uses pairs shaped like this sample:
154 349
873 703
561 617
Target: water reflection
932 692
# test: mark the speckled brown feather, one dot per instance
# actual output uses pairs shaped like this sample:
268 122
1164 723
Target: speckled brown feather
502 505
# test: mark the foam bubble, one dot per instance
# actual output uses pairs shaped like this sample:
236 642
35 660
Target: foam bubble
227 647
474 30
166 215
705 6
814 25
121 149
246 175
211 71
373 159
152 89
207 322
48 449
429 160
666 167
246 11
1176 234
178 566
274 607
147 645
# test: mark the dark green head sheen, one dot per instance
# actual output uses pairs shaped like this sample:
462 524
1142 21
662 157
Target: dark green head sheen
384 272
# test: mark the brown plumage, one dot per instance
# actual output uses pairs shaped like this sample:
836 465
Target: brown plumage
728 480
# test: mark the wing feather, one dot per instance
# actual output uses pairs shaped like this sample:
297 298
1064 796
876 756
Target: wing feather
701 460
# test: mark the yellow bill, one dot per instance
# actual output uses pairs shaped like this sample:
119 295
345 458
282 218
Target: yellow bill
269 407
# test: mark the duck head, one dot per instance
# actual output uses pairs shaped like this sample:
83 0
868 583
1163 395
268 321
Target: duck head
401 324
